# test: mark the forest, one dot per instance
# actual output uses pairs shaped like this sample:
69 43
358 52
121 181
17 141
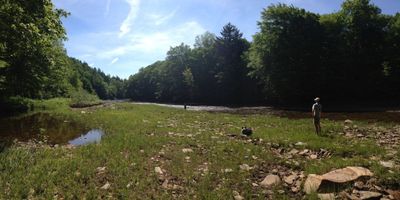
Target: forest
347 57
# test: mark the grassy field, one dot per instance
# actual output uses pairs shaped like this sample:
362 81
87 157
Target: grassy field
153 152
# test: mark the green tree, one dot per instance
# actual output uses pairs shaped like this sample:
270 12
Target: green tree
285 54
29 32
231 71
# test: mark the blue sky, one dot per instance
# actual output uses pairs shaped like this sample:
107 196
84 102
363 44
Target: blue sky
121 36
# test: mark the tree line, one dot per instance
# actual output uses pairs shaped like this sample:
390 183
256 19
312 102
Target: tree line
349 56
33 61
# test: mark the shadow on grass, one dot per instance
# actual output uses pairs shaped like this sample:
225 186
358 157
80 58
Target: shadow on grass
4 145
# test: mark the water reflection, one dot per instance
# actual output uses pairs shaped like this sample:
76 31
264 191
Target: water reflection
93 136
48 128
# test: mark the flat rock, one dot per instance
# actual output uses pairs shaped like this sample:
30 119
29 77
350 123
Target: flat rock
270 180
387 164
366 195
347 174
326 196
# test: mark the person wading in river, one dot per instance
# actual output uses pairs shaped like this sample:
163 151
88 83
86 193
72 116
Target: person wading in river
316 112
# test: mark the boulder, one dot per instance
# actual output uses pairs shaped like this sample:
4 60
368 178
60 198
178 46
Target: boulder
270 180
347 174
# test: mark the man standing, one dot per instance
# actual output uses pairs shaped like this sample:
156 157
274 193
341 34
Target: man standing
316 111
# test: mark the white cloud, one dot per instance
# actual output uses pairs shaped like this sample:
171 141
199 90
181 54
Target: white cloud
161 19
155 42
128 22
114 60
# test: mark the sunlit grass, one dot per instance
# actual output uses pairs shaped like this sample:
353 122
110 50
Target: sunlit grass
142 137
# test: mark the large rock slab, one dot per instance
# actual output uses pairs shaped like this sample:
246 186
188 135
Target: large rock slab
347 174
340 176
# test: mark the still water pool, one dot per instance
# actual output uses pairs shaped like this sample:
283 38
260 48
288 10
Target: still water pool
48 128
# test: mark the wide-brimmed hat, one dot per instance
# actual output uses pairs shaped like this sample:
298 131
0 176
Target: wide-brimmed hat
317 99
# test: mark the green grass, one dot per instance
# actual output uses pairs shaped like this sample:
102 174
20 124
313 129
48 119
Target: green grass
142 137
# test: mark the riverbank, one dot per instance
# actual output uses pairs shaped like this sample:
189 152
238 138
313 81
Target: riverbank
150 151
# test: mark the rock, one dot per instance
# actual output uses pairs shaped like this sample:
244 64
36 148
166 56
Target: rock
347 174
300 144
290 179
359 185
187 150
295 189
245 167
364 195
387 164
106 186
165 184
312 183
101 170
158 170
237 196
313 156
347 121
326 196
394 194
304 152
339 176
293 152
228 170
270 180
